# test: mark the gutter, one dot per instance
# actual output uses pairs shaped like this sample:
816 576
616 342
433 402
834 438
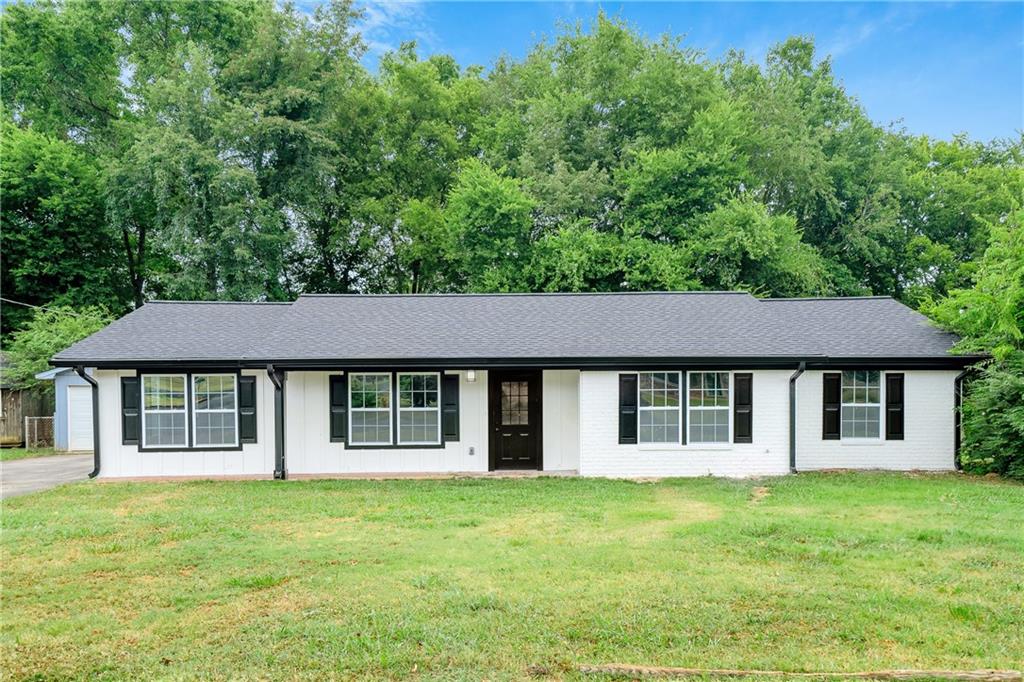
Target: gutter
278 378
80 371
792 415
552 362
958 401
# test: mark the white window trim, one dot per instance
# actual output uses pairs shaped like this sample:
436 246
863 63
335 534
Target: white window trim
680 378
864 440
398 404
143 411
388 409
193 409
710 444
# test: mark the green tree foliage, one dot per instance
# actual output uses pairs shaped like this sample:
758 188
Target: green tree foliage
240 149
989 316
488 219
47 332
741 245
56 245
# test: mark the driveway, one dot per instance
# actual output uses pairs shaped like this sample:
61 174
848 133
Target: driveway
23 476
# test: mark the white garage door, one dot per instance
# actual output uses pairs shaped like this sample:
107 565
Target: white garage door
79 418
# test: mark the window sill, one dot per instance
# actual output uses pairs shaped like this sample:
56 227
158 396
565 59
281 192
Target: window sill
689 447
391 446
200 448
861 441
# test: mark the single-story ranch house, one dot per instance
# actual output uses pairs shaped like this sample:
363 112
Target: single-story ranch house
624 384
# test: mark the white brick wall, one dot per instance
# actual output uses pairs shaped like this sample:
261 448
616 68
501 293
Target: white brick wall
928 428
601 454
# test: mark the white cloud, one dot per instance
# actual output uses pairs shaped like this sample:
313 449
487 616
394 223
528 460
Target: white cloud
387 23
852 35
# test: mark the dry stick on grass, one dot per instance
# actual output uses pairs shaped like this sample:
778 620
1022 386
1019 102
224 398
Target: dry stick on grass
656 671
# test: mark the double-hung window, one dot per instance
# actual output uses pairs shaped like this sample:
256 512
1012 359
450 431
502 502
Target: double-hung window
658 408
370 400
171 406
861 415
419 408
215 417
164 411
708 407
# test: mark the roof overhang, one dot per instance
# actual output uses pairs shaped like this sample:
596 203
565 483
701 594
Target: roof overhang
583 363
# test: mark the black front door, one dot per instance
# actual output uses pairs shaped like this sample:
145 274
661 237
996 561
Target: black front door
515 419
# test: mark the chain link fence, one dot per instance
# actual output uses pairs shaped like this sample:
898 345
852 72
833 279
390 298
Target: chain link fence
38 432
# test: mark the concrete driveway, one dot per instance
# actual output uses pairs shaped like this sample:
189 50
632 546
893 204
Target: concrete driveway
24 476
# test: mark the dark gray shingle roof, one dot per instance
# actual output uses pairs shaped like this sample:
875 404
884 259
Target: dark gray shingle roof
516 326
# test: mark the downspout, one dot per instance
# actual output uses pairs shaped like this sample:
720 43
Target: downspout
80 371
958 403
792 415
278 378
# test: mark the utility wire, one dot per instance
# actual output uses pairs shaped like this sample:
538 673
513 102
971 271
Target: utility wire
39 307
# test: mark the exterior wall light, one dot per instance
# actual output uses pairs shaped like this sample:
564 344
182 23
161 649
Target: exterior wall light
471 375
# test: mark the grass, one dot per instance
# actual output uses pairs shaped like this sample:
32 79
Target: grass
10 454
472 579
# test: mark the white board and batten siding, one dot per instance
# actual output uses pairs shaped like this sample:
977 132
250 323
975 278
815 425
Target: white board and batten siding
560 419
254 459
928 419
310 450
604 456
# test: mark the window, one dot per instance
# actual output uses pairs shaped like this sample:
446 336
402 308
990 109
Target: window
215 419
419 408
709 407
370 401
659 407
164 411
515 403
861 404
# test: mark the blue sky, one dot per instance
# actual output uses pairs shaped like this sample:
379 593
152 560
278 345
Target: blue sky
937 68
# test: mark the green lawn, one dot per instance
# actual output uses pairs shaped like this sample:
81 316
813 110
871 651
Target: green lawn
9 454
469 579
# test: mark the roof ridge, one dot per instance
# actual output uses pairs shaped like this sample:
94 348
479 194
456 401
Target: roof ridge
532 293
827 298
220 302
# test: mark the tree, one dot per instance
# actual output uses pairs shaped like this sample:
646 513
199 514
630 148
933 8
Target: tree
197 198
488 218
576 258
240 149
740 246
666 190
48 332
60 69
57 247
989 316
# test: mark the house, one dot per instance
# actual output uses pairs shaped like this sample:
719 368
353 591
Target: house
72 409
624 384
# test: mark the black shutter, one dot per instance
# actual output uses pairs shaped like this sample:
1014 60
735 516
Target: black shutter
247 409
894 407
627 408
130 420
450 407
832 387
743 408
684 403
339 409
